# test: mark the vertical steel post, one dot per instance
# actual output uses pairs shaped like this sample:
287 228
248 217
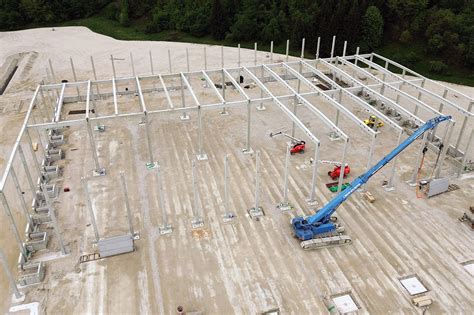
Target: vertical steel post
318 45
8 212
369 158
466 151
205 59
357 54
302 48
11 279
228 215
463 126
389 186
27 170
197 219
21 196
98 169
333 46
95 75
133 64
187 59
255 55
249 111
271 51
127 203
35 160
54 221
151 63
238 60
344 49
74 76
52 71
418 159
148 139
91 210
222 57
295 107
285 205
257 181
444 150
113 65
343 166
224 86
312 196
165 228
185 116
169 60
287 49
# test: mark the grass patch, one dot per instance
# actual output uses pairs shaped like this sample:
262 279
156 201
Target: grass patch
411 56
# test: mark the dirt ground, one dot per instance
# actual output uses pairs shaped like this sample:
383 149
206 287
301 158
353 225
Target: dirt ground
244 266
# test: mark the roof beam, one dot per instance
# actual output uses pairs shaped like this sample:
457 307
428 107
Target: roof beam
410 97
140 95
211 83
418 88
190 89
344 110
59 105
292 116
170 103
237 85
310 106
421 76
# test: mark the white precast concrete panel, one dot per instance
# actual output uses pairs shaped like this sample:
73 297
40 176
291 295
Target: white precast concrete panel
413 285
345 304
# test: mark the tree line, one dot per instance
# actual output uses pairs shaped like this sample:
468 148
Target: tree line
445 28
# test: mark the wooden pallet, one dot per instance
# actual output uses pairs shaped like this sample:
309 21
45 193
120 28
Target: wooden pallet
89 257
452 187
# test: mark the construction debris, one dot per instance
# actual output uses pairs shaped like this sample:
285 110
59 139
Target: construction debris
369 197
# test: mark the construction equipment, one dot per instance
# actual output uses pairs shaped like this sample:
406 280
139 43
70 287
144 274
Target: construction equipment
373 122
334 174
320 229
297 145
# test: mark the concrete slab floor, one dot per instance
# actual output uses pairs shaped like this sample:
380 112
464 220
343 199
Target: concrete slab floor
243 266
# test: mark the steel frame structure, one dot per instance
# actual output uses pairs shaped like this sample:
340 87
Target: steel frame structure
50 112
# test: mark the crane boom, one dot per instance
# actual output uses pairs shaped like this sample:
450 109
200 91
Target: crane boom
320 223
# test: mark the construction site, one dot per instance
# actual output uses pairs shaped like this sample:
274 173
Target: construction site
176 178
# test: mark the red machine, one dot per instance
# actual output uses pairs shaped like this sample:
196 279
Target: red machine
336 172
298 145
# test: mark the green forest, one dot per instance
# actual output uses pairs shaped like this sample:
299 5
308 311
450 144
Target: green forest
434 37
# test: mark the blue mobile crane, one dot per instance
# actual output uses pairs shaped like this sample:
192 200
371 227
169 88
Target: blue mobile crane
320 229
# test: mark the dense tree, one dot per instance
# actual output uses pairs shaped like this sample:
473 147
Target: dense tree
372 27
443 29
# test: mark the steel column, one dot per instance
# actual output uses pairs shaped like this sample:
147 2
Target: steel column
21 196
74 76
11 279
197 220
318 45
418 159
169 60
343 165
113 65
91 210
312 196
285 205
463 126
151 62
54 221
389 186
287 49
447 136
127 203
8 212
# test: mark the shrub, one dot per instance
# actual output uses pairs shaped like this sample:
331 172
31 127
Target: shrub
438 67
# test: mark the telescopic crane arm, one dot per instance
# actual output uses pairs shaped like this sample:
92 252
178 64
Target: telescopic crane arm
320 223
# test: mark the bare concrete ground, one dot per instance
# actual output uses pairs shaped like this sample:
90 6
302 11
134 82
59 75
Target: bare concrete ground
245 266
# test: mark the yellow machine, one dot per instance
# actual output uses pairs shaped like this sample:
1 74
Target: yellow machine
373 122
